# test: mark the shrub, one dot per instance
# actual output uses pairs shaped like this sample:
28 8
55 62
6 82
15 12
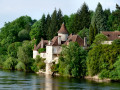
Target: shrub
38 64
20 66
10 63
104 74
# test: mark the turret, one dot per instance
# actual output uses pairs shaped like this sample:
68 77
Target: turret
63 33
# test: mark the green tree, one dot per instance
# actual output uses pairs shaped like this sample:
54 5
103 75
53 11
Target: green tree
84 17
99 39
84 33
99 19
23 35
52 30
13 48
25 54
10 63
48 21
91 34
101 58
59 18
117 42
72 61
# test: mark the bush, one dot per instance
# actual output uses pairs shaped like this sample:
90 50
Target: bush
2 60
10 63
104 74
38 64
115 73
20 66
41 50
117 41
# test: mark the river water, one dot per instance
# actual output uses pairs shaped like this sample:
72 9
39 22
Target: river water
16 80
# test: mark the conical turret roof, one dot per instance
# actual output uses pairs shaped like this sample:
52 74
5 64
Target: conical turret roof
63 29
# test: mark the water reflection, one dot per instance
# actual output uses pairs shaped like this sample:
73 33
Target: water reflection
15 80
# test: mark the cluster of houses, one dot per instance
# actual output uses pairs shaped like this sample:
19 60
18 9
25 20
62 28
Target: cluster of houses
54 47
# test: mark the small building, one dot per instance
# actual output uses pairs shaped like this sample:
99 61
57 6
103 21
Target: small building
111 35
53 47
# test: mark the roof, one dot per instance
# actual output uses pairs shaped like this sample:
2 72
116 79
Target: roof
63 29
45 42
75 38
112 35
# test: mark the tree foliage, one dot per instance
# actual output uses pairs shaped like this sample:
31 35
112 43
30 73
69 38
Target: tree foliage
72 60
99 19
25 54
102 57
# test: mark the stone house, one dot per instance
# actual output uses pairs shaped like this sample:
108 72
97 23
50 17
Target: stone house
53 47
111 35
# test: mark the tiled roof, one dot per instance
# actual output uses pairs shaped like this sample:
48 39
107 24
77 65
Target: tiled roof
75 38
45 42
63 29
54 41
112 35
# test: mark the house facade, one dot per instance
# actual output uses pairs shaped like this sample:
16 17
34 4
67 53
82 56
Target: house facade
111 35
54 47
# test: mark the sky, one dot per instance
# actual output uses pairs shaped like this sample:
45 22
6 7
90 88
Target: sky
12 9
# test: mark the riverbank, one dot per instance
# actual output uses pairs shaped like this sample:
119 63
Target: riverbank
97 79
93 78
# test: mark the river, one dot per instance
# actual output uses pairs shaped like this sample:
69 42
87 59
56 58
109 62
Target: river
16 80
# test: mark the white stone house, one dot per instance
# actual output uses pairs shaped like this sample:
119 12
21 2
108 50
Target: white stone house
53 47
111 35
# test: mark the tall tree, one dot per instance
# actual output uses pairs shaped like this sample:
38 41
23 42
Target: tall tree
84 18
116 18
38 29
52 31
48 21
42 31
91 34
59 18
99 19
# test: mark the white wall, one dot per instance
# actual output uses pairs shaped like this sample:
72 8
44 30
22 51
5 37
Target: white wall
35 53
48 68
107 42
57 49
63 36
49 53
43 55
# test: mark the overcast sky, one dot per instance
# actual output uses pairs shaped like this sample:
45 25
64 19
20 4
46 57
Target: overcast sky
12 9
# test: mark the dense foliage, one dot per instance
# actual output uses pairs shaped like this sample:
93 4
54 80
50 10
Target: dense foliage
72 61
18 37
102 57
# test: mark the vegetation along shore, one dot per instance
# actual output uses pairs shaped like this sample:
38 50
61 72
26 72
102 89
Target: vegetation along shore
101 56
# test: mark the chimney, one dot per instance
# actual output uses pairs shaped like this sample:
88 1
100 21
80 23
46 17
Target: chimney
42 42
35 46
59 40
85 41
49 42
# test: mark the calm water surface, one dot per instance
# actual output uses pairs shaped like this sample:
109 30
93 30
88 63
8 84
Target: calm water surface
15 80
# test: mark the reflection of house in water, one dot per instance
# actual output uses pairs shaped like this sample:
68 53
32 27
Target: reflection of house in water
53 47
50 83
111 35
